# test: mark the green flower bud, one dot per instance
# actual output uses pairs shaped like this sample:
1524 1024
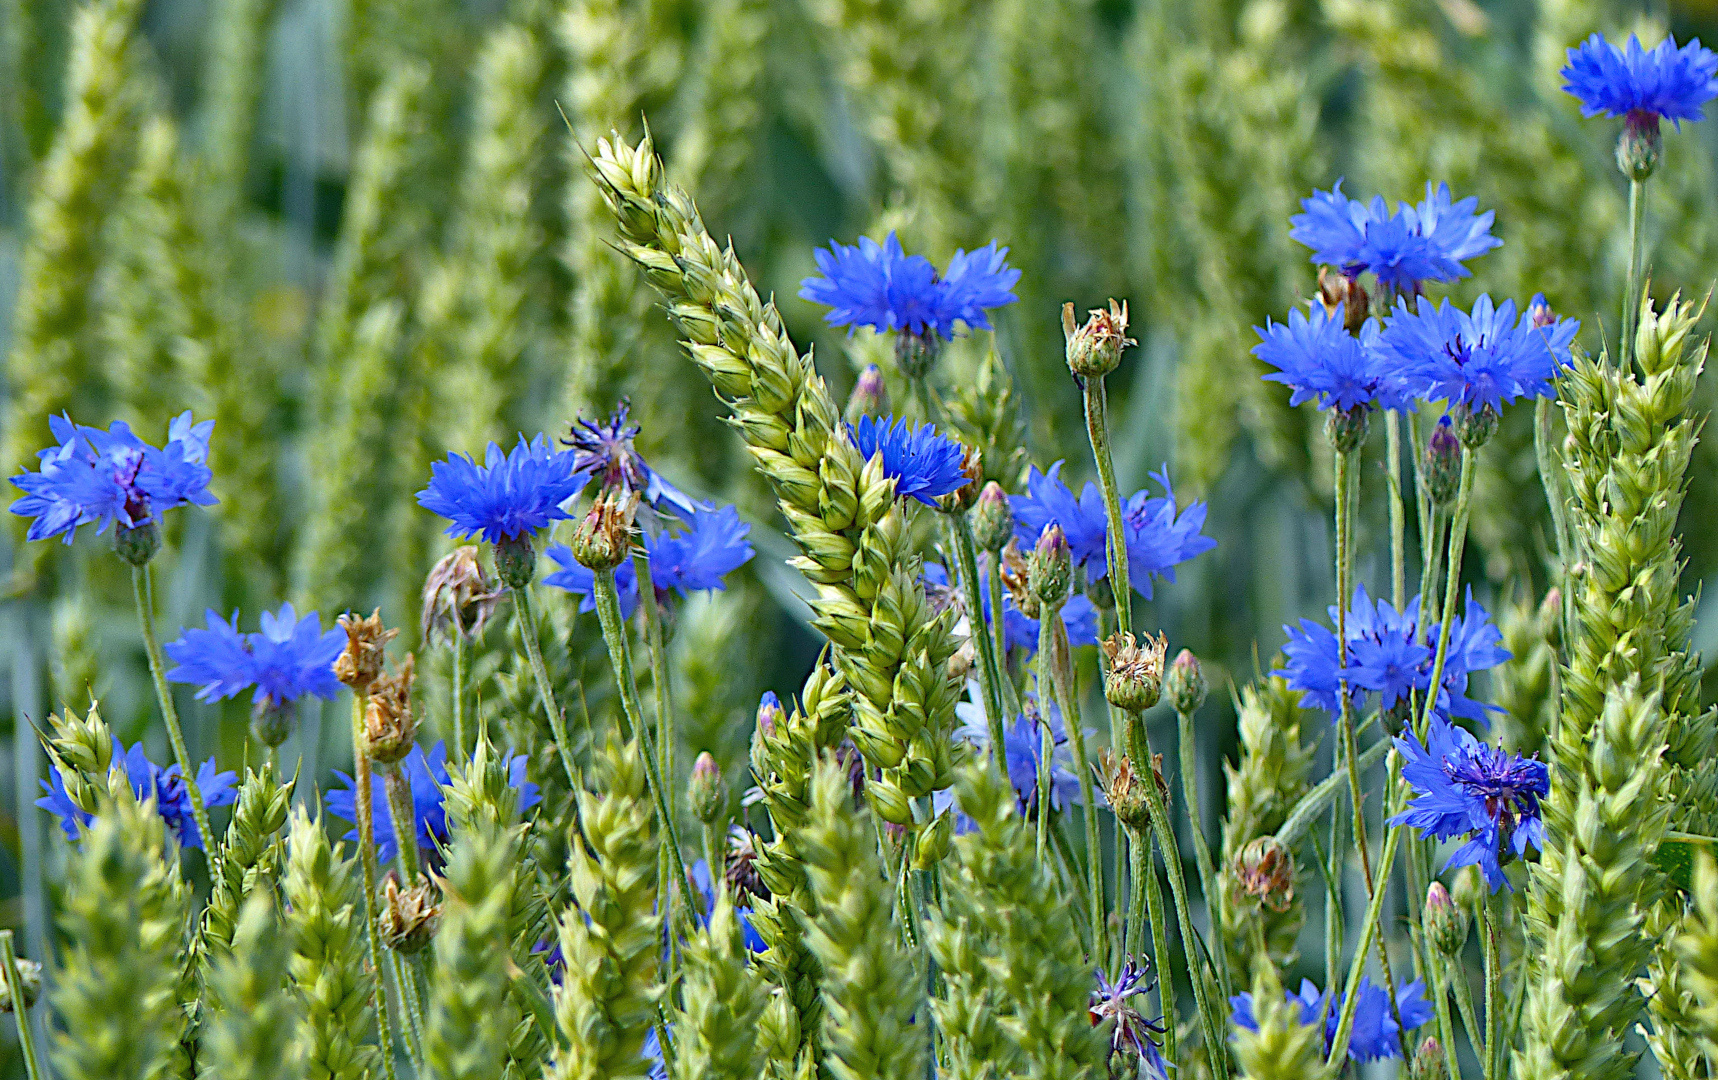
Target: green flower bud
1094 350
1445 923
1640 145
1346 428
992 520
1050 571
1443 464
137 545
916 354
272 721
1184 684
704 791
1135 679
515 561
603 539
1475 429
1428 1062
870 395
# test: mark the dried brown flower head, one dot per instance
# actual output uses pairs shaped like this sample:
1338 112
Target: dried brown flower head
389 726
409 916
458 597
1135 679
366 643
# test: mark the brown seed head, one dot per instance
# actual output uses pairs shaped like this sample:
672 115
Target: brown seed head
1264 873
1016 578
603 539
1125 789
742 871
1336 288
1094 350
409 916
389 726
366 642
458 598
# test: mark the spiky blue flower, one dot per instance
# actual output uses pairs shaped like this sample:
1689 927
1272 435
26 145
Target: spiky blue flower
924 465
1132 1033
704 887
1320 361
286 659
510 495
1479 360
1466 788
604 449
881 286
102 477
1022 748
1427 241
1159 537
1374 1034
148 780
713 546
1049 501
1079 617
1661 82
428 777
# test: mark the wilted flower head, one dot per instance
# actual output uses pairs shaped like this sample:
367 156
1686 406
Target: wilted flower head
1374 1034
1124 788
604 449
1135 679
742 869
1426 241
1094 348
923 464
389 725
409 916
458 596
102 477
603 539
148 781
881 286
1132 1033
366 649
511 495
1264 872
712 547
287 658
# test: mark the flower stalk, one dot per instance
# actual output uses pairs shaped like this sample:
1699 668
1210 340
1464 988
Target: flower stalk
143 593
364 811
989 665
20 1008
525 618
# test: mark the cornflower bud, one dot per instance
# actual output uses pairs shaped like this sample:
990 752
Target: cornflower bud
458 596
137 545
272 721
1551 617
1539 313
1428 1062
1443 464
1135 679
1475 429
1016 578
1445 923
916 354
769 713
992 519
1336 288
1346 428
409 916
366 645
963 497
1184 684
1125 790
29 978
1050 571
389 726
1094 350
1640 145
704 791
1264 873
603 539
870 395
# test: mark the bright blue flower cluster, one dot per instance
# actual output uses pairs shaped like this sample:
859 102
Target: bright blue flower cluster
1661 82
1391 654
1427 241
1158 535
508 496
427 774
1465 788
881 286
1374 1035
1321 361
148 781
286 659
1479 360
923 464
1132 1033
713 546
604 449
102 477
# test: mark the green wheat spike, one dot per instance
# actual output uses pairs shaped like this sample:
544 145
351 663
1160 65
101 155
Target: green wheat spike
1281 1047
325 930
250 1017
250 854
721 998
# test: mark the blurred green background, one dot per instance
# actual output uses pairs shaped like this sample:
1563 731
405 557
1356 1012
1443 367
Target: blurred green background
355 233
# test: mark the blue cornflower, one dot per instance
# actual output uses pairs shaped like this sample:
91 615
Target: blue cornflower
1428 241
1314 667
1022 743
1132 1031
1079 617
1478 361
604 449
713 546
1321 361
288 658
509 496
1158 538
881 286
148 780
705 887
102 477
1050 501
1640 84
428 777
1374 1034
1465 788
924 465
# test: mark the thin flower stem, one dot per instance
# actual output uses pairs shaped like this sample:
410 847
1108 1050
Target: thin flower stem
1202 850
714 861
1145 881
20 1012
1452 590
1437 971
999 636
1063 676
658 684
1398 517
410 1011
1551 477
1464 1003
457 691
364 811
142 591
525 617
1375 907
990 674
399 791
1492 916
614 635
1632 291
1115 542
1076 883
1046 740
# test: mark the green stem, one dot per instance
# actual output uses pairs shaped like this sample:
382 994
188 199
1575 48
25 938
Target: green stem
399 792
1313 804
1551 478
1062 674
1375 907
659 687
1632 291
142 591
1046 742
526 619
1398 516
1076 881
364 811
1145 881
1115 543
1452 591
457 692
1491 917
20 1012
1437 971
614 635
1202 850
410 1011
999 635
990 674
1464 1004
714 861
